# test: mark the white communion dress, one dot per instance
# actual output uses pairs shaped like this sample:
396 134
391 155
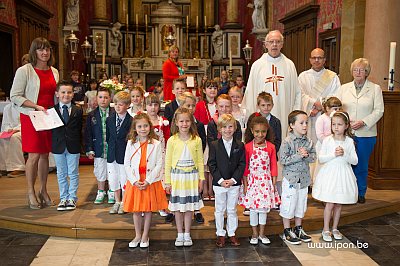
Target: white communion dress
336 182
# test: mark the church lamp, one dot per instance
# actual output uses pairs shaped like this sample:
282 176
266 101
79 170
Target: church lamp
247 50
87 49
72 42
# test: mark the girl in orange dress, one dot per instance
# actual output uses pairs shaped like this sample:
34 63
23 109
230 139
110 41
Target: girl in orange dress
144 192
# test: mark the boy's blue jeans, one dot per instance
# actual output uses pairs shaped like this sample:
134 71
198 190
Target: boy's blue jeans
67 166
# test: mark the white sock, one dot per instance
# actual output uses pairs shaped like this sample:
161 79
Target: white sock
180 236
187 236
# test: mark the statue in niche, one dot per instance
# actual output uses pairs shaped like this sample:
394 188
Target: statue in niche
258 16
72 14
115 40
217 42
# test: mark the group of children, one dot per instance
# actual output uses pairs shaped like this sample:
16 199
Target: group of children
196 153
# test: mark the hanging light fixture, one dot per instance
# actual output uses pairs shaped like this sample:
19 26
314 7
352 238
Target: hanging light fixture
87 49
72 42
247 50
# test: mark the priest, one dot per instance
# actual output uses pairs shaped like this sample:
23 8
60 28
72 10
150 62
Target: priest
276 74
316 84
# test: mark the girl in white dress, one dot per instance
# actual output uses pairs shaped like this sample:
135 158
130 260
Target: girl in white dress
336 183
323 126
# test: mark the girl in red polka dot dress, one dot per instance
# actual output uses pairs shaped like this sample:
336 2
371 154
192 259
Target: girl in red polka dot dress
259 192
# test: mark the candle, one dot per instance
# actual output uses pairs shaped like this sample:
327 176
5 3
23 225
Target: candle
197 22
205 22
103 61
127 22
187 21
230 59
137 19
392 60
145 20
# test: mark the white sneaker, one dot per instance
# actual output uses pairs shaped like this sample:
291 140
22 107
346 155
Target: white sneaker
265 240
114 209
187 242
100 197
163 213
337 235
254 241
326 236
111 197
121 208
179 242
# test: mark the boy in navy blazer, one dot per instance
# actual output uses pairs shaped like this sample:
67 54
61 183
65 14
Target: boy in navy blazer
227 163
66 146
118 125
178 87
95 142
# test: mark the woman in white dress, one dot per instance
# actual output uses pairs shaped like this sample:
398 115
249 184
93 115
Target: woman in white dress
336 183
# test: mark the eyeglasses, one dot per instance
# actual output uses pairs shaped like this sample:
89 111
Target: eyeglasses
273 42
315 58
360 70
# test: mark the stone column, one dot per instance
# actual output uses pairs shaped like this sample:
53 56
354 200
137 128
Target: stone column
232 13
100 11
352 36
195 10
382 27
209 7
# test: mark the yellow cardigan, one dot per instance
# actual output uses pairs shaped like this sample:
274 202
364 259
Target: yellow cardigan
174 151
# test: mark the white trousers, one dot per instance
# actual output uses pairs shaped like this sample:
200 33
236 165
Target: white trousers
226 199
100 169
11 155
116 176
258 217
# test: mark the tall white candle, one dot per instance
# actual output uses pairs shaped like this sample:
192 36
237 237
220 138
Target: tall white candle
205 21
145 19
137 19
187 21
197 22
392 60
230 59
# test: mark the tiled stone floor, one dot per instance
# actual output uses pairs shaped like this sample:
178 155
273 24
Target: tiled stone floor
382 235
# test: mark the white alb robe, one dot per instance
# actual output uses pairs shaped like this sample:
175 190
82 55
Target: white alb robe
289 93
307 80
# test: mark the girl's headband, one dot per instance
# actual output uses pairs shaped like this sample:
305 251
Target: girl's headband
339 112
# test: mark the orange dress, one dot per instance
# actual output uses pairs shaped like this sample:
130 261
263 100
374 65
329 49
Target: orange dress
150 199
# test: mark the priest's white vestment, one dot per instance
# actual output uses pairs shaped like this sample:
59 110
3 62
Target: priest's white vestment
278 76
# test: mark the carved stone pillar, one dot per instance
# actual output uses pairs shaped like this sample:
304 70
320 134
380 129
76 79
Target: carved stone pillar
100 11
209 7
233 14
381 28
195 10
352 36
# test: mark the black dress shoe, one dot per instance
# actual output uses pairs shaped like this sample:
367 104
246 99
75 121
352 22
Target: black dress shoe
361 199
169 218
198 217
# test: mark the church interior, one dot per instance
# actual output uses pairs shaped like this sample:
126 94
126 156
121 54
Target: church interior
119 37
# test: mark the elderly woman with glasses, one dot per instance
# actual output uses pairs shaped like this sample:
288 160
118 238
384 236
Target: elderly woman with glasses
363 100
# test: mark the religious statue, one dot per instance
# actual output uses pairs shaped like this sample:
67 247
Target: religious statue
72 14
258 16
115 40
217 42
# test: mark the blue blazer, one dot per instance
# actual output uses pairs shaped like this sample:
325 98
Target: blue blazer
117 143
94 132
170 110
69 135
226 167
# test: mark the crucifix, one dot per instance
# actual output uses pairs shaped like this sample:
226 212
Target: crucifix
274 79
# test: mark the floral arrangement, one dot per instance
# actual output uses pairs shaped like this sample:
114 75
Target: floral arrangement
111 85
